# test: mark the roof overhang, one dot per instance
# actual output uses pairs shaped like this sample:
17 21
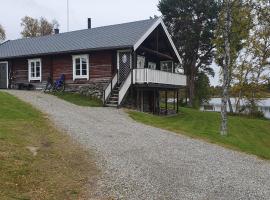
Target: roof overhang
150 30
78 51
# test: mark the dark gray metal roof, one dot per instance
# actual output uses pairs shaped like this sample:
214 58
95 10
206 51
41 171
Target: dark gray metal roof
106 37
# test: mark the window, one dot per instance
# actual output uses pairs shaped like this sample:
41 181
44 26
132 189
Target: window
140 62
178 69
152 65
166 66
34 69
81 67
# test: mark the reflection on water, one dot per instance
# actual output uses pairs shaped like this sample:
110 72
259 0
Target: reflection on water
215 105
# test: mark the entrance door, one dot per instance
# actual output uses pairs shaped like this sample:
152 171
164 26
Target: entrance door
3 75
124 65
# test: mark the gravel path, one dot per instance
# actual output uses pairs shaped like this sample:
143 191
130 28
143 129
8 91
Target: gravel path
142 162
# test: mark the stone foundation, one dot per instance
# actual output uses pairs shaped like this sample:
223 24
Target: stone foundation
94 89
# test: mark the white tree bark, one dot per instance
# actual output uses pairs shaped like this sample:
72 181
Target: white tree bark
226 67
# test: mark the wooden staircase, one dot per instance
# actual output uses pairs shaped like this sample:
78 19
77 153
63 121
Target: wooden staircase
113 99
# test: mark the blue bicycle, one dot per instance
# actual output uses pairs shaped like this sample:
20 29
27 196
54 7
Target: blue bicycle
57 86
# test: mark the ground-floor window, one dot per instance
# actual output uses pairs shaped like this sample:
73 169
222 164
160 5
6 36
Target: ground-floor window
81 67
34 69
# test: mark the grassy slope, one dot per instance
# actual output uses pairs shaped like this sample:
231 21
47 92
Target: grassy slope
60 169
248 135
78 99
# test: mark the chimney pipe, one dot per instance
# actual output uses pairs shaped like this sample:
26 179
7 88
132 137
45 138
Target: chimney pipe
56 31
89 23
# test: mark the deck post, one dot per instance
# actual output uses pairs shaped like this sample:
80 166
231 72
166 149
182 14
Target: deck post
166 101
138 99
158 103
154 103
142 101
177 108
173 99
132 96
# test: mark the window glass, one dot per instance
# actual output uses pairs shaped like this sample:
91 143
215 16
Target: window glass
84 65
32 67
78 63
37 71
84 72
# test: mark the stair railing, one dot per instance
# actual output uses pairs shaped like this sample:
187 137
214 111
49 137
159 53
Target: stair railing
124 87
109 87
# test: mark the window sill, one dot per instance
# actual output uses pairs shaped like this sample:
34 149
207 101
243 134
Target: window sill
35 79
80 78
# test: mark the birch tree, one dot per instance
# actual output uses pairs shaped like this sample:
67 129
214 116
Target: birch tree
226 66
2 33
235 21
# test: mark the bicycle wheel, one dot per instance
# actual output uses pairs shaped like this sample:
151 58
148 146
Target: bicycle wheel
60 88
48 87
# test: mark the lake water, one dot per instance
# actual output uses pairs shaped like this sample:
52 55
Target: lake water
263 105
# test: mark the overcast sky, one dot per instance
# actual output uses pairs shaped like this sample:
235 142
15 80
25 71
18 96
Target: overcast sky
102 12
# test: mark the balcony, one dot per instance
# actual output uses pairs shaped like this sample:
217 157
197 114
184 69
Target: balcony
146 76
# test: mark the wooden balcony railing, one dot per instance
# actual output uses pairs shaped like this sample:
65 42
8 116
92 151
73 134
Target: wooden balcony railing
141 76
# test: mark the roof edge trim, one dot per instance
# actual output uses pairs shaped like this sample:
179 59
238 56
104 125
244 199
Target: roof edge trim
150 30
4 42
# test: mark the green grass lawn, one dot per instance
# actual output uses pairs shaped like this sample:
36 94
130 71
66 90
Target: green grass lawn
248 135
78 99
60 169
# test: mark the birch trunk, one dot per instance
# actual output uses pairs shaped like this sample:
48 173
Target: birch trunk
226 68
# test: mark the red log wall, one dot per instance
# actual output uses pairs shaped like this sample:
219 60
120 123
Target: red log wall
101 67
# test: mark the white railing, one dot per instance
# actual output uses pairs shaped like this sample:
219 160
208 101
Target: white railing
110 86
124 88
141 76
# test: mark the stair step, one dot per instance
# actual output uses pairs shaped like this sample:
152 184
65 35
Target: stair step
110 105
113 97
112 101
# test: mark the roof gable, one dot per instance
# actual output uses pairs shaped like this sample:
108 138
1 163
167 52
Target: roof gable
150 30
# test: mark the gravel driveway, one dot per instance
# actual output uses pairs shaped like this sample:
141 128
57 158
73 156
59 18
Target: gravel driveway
142 162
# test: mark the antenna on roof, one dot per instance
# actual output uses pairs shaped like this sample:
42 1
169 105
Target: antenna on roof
67 15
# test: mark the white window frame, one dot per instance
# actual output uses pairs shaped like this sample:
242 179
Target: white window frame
140 59
30 78
167 61
74 57
6 62
152 65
